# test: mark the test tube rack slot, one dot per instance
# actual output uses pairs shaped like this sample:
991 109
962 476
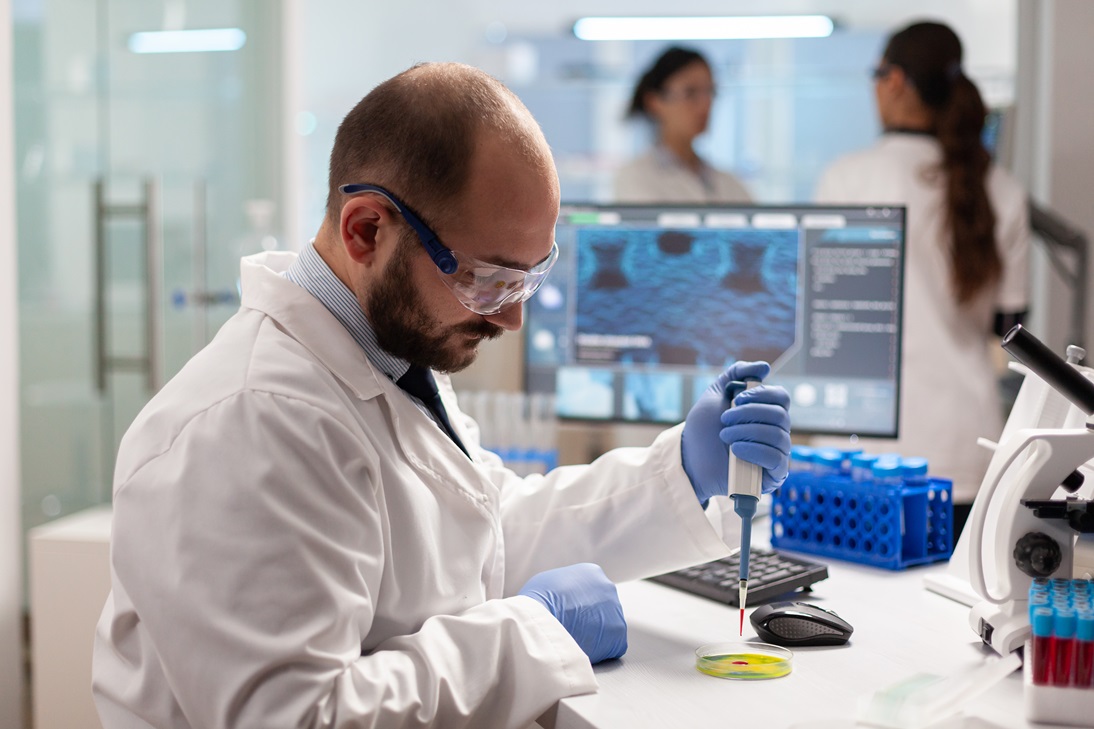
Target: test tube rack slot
888 526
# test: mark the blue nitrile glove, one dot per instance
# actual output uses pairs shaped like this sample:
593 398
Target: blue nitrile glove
585 601
757 428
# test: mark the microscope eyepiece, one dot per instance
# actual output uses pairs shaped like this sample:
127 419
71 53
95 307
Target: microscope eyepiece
1049 366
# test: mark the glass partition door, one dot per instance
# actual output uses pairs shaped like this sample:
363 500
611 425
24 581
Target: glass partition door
133 172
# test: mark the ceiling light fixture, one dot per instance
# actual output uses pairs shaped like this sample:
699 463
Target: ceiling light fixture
704 28
188 41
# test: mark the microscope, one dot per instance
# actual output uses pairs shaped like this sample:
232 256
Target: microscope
1027 521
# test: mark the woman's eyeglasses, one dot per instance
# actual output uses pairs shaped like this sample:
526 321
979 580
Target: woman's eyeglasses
689 94
881 71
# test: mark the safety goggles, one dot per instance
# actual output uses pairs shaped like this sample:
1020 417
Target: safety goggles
484 288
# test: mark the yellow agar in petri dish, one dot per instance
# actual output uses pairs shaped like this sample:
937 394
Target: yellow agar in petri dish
747 661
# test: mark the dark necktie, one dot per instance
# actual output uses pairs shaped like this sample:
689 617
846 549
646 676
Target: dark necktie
419 382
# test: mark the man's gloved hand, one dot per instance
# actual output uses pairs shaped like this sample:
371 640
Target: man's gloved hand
585 601
757 428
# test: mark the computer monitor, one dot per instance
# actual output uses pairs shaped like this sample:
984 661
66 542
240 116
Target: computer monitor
648 304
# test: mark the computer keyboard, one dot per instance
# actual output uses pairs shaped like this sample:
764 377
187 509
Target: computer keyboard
771 574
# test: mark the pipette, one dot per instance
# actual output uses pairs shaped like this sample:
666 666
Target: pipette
745 487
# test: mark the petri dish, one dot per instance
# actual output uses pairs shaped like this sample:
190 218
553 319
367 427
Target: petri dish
743 661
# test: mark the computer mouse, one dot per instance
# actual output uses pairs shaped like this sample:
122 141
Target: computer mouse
799 624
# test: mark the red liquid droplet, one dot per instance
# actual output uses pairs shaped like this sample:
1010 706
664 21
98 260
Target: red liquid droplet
740 663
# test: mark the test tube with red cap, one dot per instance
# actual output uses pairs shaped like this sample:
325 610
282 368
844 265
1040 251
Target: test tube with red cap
1084 650
1064 624
1043 645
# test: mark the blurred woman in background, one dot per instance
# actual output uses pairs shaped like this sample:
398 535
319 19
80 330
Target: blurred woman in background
967 249
675 95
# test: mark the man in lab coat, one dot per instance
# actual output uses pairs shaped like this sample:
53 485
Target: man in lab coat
305 535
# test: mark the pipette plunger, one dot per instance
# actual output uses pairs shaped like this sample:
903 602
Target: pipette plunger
745 487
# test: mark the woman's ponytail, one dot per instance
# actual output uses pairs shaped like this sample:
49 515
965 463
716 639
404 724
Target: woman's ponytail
969 214
930 56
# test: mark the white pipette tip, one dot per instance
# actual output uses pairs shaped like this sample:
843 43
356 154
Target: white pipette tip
742 595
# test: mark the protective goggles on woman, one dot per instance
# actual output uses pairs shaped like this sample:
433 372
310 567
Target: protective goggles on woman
484 288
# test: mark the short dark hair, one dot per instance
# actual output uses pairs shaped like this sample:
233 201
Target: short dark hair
668 63
415 134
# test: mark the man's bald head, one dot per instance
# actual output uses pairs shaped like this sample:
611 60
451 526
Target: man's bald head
415 134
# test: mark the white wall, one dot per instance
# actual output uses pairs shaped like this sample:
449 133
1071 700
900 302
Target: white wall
11 601
1055 147
1070 121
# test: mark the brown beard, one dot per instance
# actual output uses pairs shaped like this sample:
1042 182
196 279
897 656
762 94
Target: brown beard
405 329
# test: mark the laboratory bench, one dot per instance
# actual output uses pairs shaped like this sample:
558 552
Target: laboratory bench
900 629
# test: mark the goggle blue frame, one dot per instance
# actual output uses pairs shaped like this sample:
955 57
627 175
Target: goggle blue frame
438 252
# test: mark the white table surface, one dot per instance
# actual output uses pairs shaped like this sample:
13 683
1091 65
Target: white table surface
901 629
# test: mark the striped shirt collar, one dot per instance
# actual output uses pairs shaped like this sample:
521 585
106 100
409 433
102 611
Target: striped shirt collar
311 272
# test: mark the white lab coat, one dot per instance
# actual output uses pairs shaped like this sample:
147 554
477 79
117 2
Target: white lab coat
949 395
658 176
295 544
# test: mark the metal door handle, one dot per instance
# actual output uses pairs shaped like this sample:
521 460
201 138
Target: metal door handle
99 305
153 281
151 363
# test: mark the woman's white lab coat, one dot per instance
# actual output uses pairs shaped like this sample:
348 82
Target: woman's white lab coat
658 176
949 395
296 544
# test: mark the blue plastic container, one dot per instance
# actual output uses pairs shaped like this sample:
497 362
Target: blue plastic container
887 472
827 462
848 454
890 526
862 466
801 458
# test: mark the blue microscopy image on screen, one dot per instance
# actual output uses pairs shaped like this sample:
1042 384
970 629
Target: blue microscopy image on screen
699 385
653 397
687 297
584 393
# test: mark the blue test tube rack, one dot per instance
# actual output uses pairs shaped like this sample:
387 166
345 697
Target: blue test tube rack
893 518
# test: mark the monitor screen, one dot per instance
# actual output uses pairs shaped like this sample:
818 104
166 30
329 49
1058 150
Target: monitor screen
648 304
